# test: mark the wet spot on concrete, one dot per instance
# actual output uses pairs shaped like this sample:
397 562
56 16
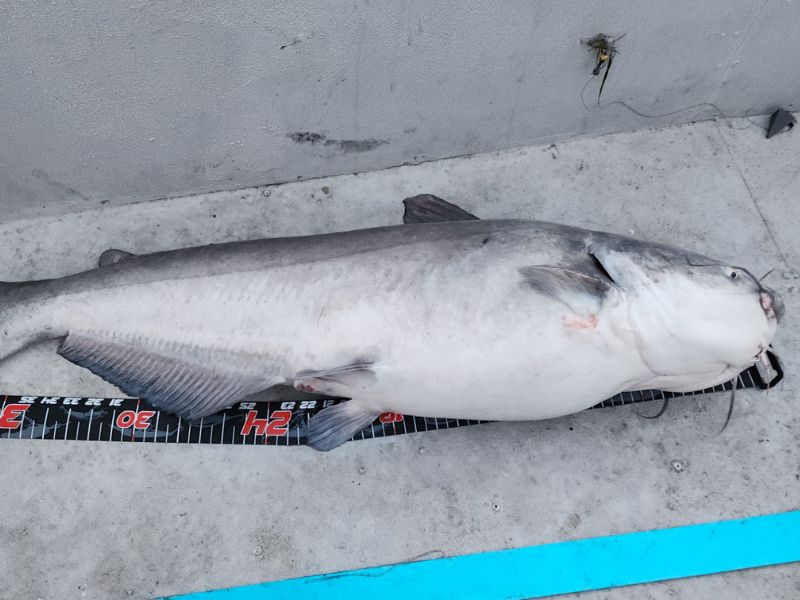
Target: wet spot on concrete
572 521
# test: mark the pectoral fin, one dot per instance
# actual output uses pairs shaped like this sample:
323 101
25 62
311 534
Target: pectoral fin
581 292
619 266
346 380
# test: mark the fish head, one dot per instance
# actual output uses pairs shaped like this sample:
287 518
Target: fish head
690 314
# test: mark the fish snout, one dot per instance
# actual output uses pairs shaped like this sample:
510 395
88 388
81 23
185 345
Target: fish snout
772 304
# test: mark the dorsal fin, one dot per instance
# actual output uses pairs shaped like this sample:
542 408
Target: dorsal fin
112 256
427 208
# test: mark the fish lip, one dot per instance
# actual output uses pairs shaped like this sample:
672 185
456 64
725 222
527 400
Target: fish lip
778 307
771 304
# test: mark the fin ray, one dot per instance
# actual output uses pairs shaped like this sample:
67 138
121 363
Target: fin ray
188 389
338 381
335 425
570 287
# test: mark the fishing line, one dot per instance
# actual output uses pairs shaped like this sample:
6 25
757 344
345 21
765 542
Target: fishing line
639 113
730 406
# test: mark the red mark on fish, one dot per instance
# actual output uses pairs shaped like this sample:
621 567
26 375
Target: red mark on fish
589 322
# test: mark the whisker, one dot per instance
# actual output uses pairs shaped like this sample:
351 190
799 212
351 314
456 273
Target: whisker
659 413
730 406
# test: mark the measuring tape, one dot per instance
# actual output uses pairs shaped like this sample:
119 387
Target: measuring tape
272 423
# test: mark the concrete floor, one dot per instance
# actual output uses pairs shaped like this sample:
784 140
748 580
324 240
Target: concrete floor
99 520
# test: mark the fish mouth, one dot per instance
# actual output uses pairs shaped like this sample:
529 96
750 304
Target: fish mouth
771 304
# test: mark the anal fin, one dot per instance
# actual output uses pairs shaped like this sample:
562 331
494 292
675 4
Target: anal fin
335 425
579 291
168 378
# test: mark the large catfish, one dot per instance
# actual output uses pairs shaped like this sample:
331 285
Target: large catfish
445 316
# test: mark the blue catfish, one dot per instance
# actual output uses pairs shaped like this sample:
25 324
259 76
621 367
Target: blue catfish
444 316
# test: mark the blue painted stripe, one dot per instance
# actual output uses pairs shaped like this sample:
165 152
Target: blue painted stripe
559 568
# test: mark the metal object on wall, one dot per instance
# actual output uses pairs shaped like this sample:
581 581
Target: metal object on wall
779 121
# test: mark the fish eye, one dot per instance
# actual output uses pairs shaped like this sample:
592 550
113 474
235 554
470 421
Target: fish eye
733 274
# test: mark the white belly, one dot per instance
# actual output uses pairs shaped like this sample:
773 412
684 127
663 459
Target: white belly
441 347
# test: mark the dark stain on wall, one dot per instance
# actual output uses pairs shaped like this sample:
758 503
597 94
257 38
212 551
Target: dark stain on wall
310 137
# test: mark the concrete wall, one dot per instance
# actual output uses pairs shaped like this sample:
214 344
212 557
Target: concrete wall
125 101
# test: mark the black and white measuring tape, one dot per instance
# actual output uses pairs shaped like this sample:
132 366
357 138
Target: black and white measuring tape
274 423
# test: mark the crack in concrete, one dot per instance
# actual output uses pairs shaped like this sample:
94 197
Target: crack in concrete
744 40
42 175
753 197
